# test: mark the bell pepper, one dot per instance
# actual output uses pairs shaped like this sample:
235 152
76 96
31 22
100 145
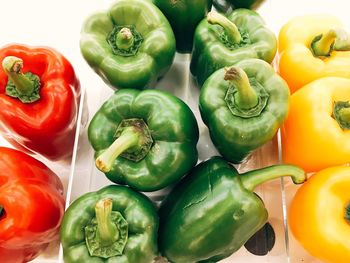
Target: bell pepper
130 45
213 211
319 215
225 5
114 224
184 16
146 139
221 41
312 47
243 107
31 206
318 123
39 100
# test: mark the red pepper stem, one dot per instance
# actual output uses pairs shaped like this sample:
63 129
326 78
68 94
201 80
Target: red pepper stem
246 97
127 139
13 68
322 45
1 211
107 231
230 28
124 39
252 179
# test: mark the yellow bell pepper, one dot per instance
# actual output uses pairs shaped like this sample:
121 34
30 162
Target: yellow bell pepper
312 47
316 133
319 215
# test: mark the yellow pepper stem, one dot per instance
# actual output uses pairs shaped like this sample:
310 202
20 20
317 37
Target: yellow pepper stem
230 28
322 45
246 97
347 213
344 114
342 43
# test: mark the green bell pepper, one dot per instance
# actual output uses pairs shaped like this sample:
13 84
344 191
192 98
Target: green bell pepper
220 41
213 211
129 46
184 16
225 5
243 107
146 139
114 224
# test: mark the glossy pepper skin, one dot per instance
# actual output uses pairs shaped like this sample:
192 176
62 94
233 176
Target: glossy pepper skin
44 120
221 41
31 205
301 62
224 5
318 122
184 16
243 107
123 223
213 211
130 45
146 139
320 211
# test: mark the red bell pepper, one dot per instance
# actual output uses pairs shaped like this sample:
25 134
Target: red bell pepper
39 100
31 206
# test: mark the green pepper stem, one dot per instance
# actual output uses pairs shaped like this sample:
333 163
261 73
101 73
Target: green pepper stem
124 39
1 211
347 213
127 139
322 45
246 97
230 28
252 179
107 231
13 68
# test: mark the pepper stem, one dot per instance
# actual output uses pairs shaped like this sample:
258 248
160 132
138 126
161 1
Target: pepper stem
347 213
124 39
252 179
13 68
344 114
1 211
322 45
107 231
246 97
128 138
342 43
230 28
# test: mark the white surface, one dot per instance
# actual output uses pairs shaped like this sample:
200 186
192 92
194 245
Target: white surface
58 23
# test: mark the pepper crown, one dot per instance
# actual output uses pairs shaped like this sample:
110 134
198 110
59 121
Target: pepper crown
229 27
245 97
24 86
252 179
107 234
